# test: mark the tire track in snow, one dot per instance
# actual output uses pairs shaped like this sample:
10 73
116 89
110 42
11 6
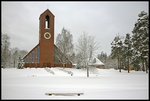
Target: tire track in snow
66 71
59 71
49 70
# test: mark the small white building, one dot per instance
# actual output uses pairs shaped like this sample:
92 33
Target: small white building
97 63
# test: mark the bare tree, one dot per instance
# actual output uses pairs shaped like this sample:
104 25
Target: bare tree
15 56
111 63
22 53
9 56
5 48
64 43
86 47
16 53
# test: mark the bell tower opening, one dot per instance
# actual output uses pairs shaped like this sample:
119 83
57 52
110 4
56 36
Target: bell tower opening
47 22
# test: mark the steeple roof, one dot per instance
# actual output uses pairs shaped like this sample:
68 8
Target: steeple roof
46 11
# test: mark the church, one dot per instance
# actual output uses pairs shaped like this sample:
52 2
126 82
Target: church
46 53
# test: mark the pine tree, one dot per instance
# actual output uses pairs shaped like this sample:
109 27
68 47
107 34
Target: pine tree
102 56
20 63
140 40
127 52
116 50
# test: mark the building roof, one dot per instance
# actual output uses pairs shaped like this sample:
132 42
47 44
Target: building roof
47 11
96 62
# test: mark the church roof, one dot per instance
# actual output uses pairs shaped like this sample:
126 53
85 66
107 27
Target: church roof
59 57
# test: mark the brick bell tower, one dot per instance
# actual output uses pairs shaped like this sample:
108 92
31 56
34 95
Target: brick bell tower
46 53
46 39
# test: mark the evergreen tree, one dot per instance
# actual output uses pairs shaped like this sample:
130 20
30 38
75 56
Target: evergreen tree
127 52
102 57
140 40
116 50
20 63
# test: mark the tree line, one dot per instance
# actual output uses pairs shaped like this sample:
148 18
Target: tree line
130 53
10 56
133 51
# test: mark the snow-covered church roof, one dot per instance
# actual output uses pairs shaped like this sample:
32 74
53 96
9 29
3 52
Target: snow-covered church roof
96 61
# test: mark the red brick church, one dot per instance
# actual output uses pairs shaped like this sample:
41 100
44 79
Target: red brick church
46 53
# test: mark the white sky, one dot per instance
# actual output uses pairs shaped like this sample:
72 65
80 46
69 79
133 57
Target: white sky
20 20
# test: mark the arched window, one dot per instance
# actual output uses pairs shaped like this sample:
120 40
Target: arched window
47 22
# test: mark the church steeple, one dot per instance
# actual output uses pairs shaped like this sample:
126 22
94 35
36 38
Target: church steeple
46 37
46 24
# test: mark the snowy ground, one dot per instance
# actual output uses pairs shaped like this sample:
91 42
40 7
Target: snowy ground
33 83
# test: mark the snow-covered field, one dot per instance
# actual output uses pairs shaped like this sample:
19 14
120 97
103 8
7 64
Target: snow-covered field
33 83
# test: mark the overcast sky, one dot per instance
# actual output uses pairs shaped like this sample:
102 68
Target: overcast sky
103 20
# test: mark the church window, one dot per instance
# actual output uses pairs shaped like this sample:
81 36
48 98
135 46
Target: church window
35 55
32 56
27 59
23 60
38 53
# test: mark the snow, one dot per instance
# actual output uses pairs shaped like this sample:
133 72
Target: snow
98 62
33 83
